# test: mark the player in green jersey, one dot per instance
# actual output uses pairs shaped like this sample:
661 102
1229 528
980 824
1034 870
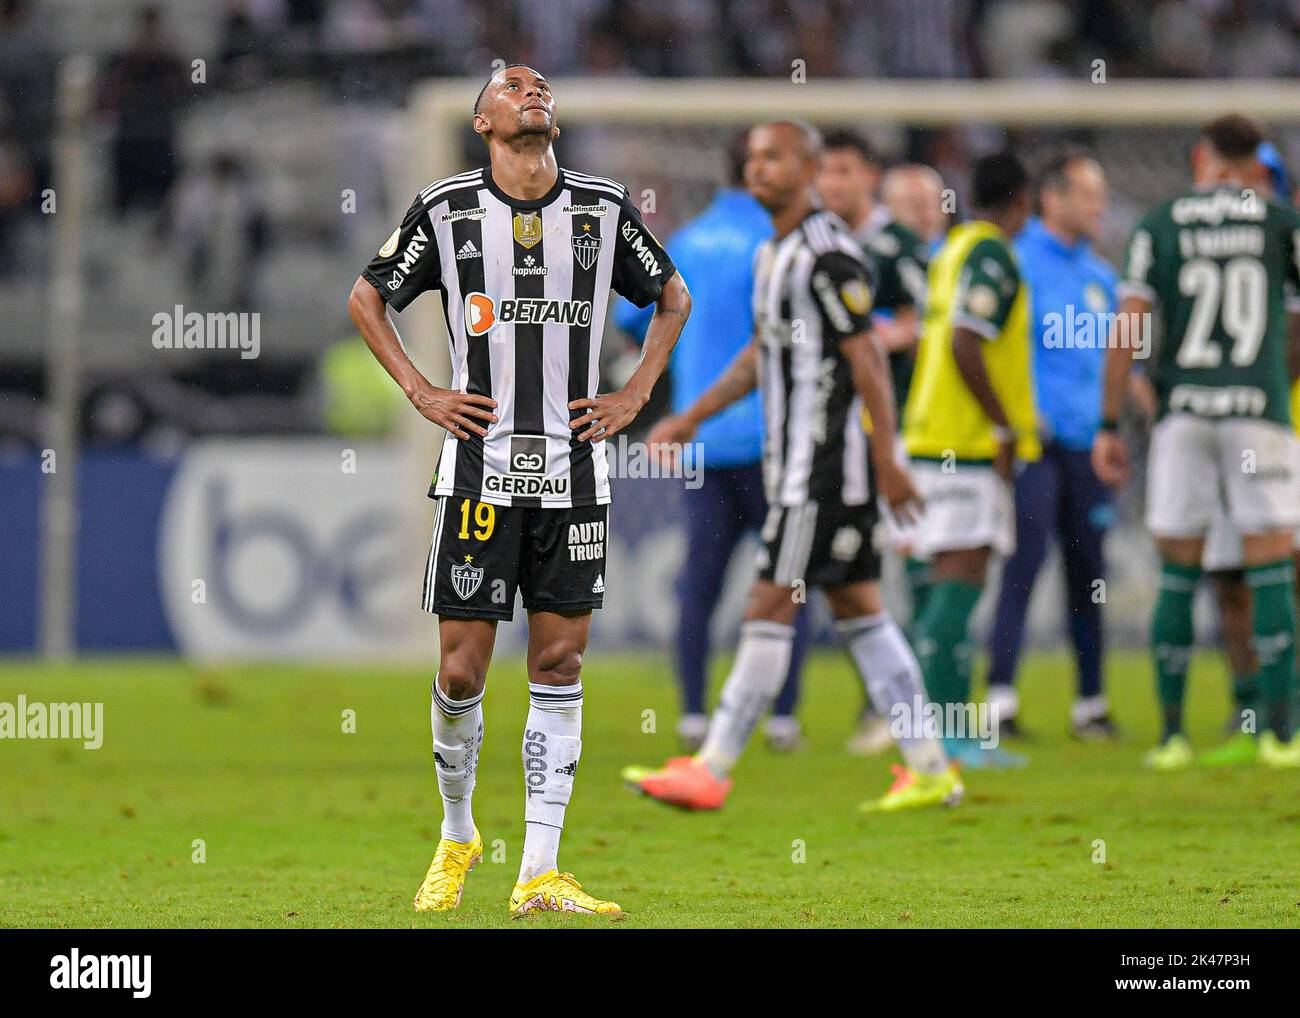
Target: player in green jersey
1213 266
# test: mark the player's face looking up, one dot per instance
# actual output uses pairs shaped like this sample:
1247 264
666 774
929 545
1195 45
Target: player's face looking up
846 182
1076 204
516 103
781 164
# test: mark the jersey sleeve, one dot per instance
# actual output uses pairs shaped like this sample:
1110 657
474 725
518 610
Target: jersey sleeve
408 263
987 289
641 265
841 288
1139 259
900 273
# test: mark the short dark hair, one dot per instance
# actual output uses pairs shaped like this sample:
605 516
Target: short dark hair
491 78
843 137
1055 172
1233 136
998 180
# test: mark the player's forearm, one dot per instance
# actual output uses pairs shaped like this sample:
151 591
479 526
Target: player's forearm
1119 357
900 332
870 374
968 352
671 312
737 381
369 314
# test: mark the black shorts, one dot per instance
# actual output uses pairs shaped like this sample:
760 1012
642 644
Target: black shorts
482 553
822 544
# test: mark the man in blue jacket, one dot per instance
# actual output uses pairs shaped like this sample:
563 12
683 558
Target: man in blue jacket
1059 495
715 250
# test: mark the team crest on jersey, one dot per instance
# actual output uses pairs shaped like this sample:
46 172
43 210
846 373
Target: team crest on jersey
466 578
856 296
586 248
528 229
982 301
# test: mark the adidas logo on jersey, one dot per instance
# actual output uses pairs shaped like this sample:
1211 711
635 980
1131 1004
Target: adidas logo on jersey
571 768
599 586
468 250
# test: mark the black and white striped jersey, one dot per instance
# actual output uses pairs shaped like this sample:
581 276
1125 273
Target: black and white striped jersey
811 290
525 287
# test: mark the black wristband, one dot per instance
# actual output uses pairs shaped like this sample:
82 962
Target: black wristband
1109 424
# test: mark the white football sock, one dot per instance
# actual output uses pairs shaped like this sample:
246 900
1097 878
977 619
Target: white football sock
457 739
552 746
762 661
888 668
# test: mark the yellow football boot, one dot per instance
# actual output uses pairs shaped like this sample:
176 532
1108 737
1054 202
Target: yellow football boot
1273 752
911 790
1174 754
445 880
553 891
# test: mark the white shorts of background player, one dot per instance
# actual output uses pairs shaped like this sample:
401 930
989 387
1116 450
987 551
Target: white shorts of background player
967 506
1201 469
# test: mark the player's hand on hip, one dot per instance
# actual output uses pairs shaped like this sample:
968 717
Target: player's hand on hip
458 412
1004 460
1110 459
606 415
895 485
668 436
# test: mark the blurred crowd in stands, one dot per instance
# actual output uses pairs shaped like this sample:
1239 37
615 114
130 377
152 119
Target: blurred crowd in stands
215 218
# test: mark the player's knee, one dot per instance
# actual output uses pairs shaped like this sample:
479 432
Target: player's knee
559 662
460 677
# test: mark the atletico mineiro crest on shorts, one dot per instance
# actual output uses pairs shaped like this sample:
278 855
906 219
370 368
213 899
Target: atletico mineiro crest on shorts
466 578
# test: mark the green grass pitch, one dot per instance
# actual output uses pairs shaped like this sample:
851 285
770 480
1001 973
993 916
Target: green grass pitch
305 825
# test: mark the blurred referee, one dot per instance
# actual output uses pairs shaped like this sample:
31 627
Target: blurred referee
716 251
1059 496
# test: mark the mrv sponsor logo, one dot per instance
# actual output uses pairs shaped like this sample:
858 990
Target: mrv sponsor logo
82 722
77 971
633 236
483 313
179 329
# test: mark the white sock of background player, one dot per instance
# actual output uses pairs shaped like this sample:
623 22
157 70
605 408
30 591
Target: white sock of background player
762 661
889 671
